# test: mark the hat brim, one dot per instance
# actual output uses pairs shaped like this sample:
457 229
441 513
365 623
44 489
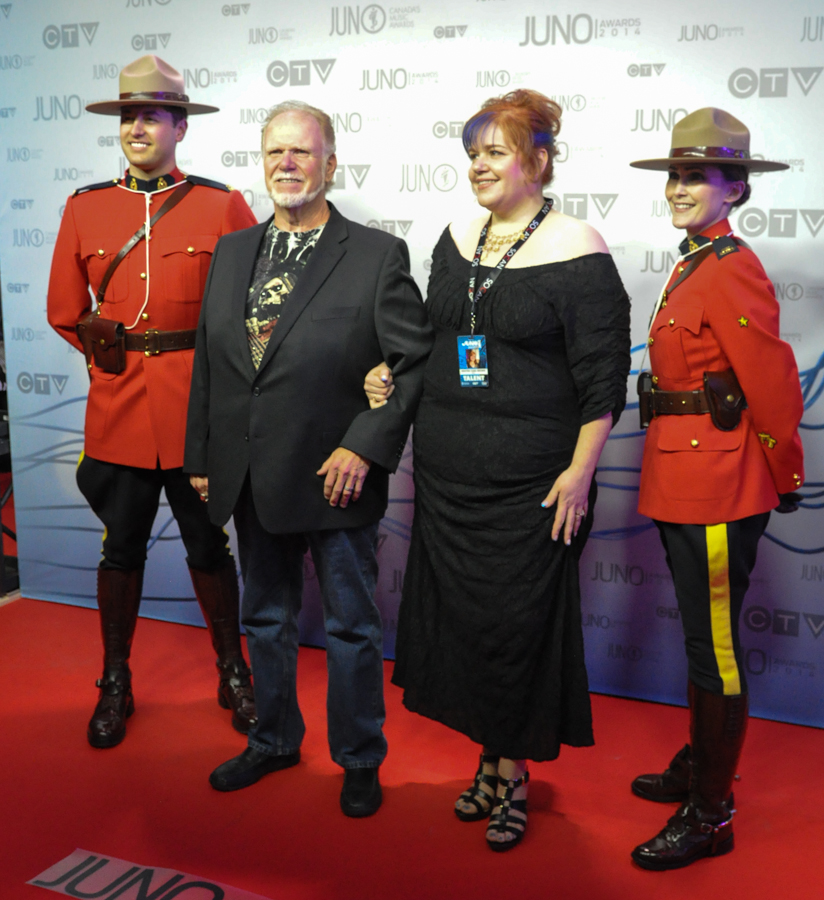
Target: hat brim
752 165
113 107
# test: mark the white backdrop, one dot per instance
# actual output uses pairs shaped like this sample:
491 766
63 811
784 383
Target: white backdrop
399 81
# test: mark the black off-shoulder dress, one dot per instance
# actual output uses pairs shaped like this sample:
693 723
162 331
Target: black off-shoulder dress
489 634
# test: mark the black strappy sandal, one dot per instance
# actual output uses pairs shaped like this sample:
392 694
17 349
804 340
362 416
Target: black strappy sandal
477 796
503 822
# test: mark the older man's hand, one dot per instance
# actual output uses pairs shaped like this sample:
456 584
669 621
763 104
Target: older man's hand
345 473
201 484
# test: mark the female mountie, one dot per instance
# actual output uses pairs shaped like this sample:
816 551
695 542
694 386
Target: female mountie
722 403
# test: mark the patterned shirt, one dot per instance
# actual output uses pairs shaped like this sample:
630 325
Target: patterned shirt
281 259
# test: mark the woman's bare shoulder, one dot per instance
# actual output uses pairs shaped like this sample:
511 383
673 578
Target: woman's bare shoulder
572 237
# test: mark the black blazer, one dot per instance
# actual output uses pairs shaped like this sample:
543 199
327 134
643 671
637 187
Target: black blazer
354 305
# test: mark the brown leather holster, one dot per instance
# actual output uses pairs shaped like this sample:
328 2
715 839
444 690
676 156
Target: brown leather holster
725 399
104 341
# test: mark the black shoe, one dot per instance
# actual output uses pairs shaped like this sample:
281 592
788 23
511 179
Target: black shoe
249 767
689 835
361 794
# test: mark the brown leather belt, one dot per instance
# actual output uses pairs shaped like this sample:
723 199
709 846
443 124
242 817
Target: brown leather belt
151 342
678 403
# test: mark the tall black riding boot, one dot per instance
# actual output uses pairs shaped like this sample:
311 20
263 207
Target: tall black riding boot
217 593
118 597
673 784
703 825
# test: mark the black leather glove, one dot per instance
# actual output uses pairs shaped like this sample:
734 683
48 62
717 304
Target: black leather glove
788 503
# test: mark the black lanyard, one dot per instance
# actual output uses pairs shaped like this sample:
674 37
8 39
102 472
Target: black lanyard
474 296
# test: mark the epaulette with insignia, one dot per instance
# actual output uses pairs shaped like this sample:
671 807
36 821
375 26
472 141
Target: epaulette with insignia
207 182
96 187
724 245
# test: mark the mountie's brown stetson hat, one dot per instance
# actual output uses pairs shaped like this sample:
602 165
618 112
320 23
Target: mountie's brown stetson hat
713 137
150 81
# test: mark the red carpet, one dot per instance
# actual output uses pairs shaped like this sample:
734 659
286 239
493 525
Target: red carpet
148 801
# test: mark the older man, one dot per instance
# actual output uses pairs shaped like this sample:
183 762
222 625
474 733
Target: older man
296 312
143 243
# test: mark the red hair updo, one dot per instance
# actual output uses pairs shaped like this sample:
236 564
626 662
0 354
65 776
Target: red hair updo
529 120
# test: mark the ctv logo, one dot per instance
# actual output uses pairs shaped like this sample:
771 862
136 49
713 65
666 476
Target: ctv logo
240 158
357 173
40 383
744 83
392 226
69 35
450 31
785 622
645 70
778 223
235 9
150 41
578 204
298 73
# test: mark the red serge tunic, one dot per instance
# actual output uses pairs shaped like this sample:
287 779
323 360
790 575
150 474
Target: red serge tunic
723 315
138 417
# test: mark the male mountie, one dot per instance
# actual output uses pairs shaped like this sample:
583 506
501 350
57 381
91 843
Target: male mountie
143 243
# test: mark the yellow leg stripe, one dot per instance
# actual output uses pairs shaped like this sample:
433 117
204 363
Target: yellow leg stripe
719 566
80 459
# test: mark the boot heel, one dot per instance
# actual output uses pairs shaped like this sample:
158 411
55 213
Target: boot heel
725 846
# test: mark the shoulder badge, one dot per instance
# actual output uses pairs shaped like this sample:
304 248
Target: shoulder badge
96 187
207 182
724 245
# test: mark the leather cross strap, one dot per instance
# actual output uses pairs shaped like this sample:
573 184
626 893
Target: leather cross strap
693 264
152 341
171 202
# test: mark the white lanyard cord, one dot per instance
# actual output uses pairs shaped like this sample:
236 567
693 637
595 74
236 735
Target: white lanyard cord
146 237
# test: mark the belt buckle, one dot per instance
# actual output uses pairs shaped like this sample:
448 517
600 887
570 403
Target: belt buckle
151 339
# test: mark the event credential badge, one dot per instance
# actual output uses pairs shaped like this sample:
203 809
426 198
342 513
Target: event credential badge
472 365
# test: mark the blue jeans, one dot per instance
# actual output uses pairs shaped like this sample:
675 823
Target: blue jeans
347 568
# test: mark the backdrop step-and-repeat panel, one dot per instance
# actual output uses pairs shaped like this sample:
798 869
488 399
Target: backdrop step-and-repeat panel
399 81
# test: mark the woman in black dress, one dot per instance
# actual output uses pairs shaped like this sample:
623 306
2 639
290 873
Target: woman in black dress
489 634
